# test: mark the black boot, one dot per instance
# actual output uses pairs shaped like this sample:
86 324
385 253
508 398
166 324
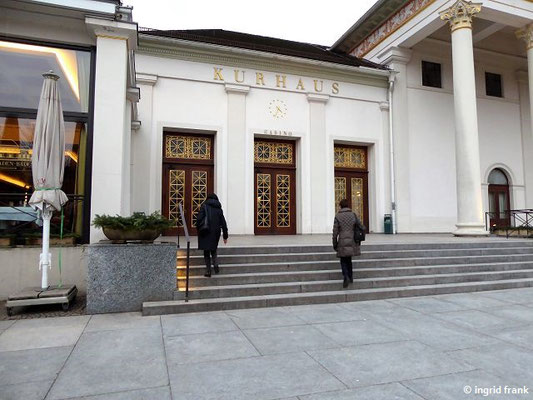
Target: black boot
217 270
345 283
207 273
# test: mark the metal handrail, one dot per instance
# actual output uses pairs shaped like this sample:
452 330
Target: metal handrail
518 219
188 239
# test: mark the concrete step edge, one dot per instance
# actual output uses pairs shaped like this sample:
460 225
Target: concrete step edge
334 296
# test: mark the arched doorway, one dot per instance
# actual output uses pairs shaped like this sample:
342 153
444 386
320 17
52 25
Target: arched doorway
499 201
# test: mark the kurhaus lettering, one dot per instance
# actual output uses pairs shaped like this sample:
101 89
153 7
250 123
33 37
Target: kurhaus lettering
276 80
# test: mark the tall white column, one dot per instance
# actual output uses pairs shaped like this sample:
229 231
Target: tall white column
319 167
526 34
112 124
237 208
469 197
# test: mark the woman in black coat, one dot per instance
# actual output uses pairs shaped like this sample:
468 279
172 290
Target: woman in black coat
208 241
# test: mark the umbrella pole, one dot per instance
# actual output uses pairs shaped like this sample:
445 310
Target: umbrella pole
45 260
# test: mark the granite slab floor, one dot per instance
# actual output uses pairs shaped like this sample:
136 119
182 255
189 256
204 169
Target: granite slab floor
450 347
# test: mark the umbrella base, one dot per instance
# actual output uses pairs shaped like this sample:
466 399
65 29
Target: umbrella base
37 296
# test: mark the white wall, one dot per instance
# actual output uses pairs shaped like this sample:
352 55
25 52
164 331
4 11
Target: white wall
432 136
189 95
19 268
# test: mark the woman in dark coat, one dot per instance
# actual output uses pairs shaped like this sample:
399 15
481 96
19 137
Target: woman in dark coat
343 239
208 241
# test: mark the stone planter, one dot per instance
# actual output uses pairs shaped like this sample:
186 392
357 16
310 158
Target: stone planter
123 236
120 277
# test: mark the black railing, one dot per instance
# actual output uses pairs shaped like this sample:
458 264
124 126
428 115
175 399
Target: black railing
21 223
188 239
517 222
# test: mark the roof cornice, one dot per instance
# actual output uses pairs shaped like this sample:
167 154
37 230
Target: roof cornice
365 25
232 56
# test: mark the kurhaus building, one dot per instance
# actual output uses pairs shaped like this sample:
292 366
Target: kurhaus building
282 130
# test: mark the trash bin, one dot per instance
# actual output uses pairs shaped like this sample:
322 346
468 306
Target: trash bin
387 221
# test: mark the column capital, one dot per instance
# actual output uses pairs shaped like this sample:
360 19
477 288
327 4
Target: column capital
317 98
146 79
526 34
395 55
118 30
238 89
460 14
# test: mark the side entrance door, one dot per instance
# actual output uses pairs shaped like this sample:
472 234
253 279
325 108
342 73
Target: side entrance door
187 177
499 204
351 179
275 188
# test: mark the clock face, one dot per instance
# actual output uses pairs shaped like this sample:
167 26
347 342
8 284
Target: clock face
278 108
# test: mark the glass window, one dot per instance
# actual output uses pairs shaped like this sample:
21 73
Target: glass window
493 84
431 74
16 183
21 80
497 177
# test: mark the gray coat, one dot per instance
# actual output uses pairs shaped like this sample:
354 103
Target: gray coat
343 232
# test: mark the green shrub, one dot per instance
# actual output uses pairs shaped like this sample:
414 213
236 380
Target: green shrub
139 221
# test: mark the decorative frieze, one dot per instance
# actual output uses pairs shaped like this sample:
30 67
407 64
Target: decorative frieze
391 25
460 14
526 34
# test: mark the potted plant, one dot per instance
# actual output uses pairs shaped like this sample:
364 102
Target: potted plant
137 227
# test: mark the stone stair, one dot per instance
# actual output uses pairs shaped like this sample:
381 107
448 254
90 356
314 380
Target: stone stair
270 276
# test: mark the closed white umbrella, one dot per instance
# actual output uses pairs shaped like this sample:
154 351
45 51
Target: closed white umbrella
48 163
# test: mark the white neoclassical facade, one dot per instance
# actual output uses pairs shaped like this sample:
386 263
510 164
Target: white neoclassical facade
451 135
421 110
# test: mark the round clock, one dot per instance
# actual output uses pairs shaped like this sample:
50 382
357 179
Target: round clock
278 108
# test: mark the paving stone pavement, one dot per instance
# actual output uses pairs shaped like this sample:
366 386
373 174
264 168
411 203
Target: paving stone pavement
450 347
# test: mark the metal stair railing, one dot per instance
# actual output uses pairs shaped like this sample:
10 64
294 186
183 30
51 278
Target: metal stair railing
188 240
518 219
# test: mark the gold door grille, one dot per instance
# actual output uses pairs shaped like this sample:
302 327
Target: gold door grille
176 195
198 193
340 191
349 157
358 198
187 147
264 201
273 153
283 197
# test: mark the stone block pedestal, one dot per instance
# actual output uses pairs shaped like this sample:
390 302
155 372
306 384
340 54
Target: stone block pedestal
120 277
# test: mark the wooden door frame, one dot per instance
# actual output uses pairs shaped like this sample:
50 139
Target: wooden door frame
350 173
272 168
274 230
363 172
188 165
495 189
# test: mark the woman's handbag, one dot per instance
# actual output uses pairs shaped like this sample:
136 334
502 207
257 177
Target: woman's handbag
359 232
204 224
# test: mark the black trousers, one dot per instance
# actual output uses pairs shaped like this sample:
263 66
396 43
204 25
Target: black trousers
347 268
210 256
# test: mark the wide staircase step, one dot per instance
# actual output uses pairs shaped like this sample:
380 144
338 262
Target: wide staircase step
267 276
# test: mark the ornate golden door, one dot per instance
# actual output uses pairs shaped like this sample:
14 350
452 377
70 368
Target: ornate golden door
351 179
275 188
187 177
